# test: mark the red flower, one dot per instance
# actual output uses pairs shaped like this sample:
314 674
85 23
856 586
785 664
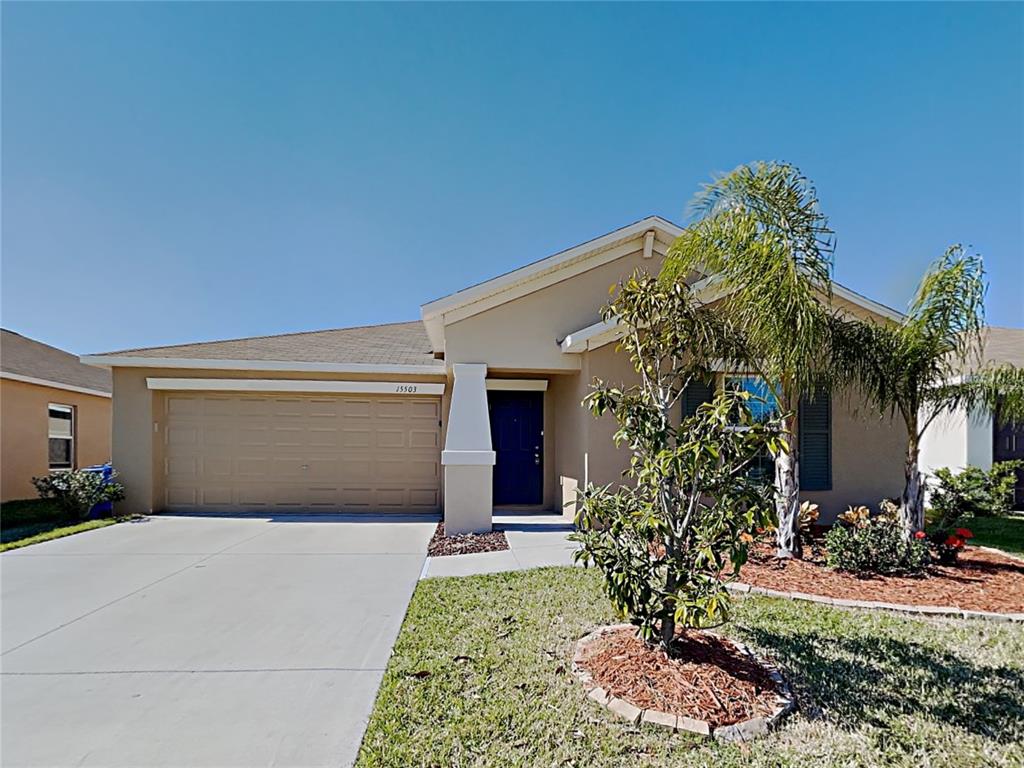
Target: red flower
919 535
963 533
955 542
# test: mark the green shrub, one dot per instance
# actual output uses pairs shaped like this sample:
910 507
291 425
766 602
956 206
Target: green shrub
78 491
973 492
874 544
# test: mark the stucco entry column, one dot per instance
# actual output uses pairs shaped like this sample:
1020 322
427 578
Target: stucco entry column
467 457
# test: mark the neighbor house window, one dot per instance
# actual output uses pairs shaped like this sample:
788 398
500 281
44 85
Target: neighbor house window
62 436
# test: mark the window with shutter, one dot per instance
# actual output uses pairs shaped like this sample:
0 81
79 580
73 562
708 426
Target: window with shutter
815 435
696 392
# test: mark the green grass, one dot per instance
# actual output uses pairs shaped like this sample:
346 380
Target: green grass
22 537
480 677
35 520
1000 532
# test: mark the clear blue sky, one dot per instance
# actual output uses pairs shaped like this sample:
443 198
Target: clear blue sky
183 172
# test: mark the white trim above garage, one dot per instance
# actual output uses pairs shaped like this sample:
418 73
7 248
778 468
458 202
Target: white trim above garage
116 361
297 385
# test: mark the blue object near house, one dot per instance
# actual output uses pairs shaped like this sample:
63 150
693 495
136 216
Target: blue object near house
104 507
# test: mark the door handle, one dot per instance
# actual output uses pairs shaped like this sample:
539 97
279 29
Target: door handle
536 459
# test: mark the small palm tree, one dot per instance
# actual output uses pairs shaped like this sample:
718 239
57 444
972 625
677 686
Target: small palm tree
759 231
930 363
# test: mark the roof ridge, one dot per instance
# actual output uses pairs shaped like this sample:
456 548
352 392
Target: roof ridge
263 336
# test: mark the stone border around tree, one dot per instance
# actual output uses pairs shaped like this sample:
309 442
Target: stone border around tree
742 731
927 610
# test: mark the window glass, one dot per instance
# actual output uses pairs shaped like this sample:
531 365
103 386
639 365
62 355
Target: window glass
61 448
762 403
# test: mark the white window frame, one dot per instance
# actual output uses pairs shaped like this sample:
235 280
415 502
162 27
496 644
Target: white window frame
72 439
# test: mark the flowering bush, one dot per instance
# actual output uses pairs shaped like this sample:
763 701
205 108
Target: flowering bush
862 542
78 491
948 544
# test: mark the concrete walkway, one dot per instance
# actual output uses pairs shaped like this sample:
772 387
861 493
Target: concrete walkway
202 641
534 540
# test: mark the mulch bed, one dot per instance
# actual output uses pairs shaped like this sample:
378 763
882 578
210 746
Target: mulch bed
981 581
468 543
710 679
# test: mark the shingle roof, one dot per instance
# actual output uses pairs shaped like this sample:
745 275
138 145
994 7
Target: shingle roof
1004 345
22 356
394 343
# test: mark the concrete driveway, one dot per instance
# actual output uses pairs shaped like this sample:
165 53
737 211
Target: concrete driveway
202 641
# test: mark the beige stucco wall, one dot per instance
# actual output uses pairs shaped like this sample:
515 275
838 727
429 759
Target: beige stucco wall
867 457
24 429
867 449
138 422
523 334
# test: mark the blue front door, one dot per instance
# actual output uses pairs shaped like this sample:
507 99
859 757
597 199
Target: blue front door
517 434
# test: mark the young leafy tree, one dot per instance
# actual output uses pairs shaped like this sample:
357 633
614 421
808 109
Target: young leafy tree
761 236
664 541
930 363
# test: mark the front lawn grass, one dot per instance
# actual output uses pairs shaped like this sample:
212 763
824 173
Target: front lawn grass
480 677
35 520
1000 532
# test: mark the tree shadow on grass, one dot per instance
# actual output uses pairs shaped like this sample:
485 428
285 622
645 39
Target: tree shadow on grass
874 679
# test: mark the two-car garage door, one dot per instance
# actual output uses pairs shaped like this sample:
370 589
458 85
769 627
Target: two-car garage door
242 452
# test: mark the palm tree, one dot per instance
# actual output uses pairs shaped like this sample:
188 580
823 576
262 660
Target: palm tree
930 363
761 235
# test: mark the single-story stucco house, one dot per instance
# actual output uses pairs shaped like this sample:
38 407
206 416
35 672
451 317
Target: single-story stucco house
474 408
55 413
957 440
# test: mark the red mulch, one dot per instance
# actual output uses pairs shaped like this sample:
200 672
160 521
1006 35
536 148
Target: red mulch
710 679
981 581
469 543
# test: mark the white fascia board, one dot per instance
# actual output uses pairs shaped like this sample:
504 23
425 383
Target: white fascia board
710 290
517 385
118 361
53 384
297 385
591 337
587 252
863 301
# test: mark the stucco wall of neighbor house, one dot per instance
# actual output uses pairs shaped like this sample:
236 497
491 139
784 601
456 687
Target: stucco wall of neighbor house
139 421
956 440
24 445
522 334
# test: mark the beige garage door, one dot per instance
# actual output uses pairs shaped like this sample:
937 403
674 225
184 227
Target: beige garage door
317 452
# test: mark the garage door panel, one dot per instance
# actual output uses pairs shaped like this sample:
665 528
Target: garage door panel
355 437
255 436
216 496
421 438
346 453
181 496
424 498
391 438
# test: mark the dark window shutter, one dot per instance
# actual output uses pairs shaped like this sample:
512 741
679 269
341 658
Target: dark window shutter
696 392
815 434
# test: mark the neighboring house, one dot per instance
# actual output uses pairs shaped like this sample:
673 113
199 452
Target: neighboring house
476 407
54 413
957 440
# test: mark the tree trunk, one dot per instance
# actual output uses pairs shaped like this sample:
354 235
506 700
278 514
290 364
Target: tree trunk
787 495
912 500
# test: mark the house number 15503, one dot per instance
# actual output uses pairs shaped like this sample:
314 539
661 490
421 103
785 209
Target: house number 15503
406 389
